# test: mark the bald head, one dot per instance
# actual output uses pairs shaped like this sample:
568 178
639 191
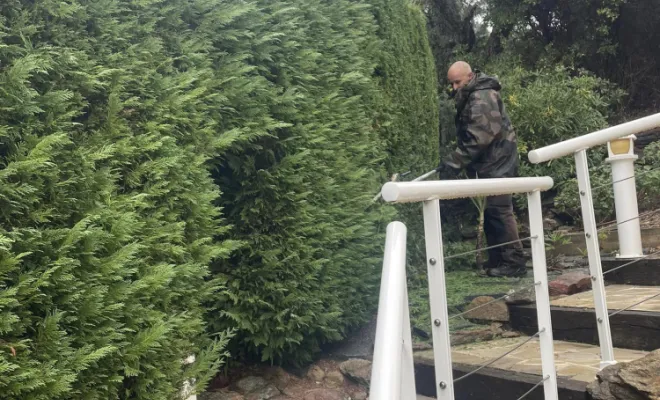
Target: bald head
459 74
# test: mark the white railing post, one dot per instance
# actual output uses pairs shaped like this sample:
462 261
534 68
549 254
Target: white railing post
187 391
622 159
542 295
408 387
438 296
430 193
392 373
595 268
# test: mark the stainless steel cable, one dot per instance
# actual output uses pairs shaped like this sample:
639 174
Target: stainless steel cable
633 305
610 224
495 300
500 357
625 179
631 262
534 388
488 248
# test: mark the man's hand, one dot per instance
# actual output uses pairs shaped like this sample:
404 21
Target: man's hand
445 171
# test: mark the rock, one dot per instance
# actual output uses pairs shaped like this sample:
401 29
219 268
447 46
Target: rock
279 377
220 381
359 396
635 380
523 296
250 384
566 264
324 394
644 374
265 393
476 335
334 379
316 373
220 395
550 223
510 334
570 283
496 311
357 370
420 332
422 346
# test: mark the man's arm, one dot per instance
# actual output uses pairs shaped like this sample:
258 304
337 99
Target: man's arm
484 124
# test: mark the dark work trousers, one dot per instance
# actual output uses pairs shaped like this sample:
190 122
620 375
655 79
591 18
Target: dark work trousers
500 227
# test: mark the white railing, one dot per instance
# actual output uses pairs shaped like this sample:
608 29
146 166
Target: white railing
598 138
622 158
392 373
390 313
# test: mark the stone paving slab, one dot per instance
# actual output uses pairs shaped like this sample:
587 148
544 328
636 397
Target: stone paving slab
618 297
576 361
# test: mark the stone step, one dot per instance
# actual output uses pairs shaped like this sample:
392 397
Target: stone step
515 374
609 244
645 272
574 319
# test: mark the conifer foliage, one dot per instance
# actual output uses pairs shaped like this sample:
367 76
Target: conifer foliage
109 113
354 90
142 142
300 198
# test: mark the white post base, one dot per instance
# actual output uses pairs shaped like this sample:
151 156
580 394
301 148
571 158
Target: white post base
593 252
625 200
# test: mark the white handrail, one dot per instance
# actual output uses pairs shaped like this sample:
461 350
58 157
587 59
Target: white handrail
392 373
403 192
597 138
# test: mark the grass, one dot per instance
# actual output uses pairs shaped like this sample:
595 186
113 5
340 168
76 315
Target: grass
461 286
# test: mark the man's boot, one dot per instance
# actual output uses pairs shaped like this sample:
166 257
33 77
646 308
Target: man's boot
512 265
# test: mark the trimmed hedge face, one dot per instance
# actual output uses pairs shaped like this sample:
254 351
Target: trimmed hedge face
356 99
108 117
144 141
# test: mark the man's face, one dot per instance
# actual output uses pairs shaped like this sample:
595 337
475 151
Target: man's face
458 79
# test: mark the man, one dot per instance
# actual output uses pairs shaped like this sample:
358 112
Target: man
487 149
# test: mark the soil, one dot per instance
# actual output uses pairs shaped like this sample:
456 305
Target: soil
293 383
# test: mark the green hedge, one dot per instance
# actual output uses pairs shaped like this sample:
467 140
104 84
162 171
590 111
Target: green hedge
300 199
109 113
143 142
408 76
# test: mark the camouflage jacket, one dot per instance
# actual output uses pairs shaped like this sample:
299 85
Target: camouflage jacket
486 139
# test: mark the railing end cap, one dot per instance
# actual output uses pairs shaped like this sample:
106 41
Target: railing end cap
534 157
390 192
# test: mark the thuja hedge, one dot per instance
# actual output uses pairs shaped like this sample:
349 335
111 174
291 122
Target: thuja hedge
109 113
354 84
169 162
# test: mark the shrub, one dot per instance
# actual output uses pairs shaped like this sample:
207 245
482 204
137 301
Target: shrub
107 124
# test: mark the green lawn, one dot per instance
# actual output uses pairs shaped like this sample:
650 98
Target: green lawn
460 286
